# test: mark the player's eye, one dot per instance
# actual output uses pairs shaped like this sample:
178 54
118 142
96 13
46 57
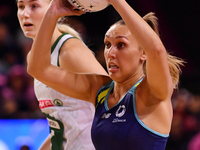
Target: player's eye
121 45
21 7
107 45
34 6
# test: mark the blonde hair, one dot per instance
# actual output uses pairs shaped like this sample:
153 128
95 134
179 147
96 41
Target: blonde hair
174 62
64 28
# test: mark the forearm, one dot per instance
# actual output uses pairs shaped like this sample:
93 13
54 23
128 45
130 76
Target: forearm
39 57
142 32
46 144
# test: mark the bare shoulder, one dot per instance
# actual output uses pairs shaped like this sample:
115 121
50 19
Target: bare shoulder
147 95
74 43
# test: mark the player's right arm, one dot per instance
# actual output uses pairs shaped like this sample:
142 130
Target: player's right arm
80 86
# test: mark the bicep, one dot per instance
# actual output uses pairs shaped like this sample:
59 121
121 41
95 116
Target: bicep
158 75
66 82
79 86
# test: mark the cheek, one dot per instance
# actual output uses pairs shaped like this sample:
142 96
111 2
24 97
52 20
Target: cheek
19 16
128 59
19 19
105 55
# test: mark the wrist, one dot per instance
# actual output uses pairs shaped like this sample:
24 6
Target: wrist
51 15
113 2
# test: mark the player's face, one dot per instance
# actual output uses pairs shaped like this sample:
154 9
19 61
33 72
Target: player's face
122 54
30 14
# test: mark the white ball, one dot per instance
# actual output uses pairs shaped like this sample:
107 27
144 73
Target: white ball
89 5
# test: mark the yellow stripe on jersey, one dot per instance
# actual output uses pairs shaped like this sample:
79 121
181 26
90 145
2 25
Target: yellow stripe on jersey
102 96
137 84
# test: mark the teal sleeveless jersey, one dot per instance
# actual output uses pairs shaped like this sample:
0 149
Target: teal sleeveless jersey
119 128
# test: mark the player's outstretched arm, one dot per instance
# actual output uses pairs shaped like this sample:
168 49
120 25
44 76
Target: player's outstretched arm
157 69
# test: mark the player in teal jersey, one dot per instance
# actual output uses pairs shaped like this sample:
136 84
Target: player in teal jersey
133 104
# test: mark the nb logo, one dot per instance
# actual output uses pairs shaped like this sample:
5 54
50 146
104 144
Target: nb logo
106 115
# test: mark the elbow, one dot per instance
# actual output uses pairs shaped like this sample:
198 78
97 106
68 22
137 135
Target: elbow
156 50
32 71
159 49
35 67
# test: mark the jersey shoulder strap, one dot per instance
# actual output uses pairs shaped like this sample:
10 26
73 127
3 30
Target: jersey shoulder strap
56 47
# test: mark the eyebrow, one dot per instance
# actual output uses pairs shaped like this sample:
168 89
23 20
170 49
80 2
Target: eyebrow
29 1
118 37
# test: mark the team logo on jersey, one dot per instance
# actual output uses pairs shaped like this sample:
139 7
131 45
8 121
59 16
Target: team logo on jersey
120 111
57 102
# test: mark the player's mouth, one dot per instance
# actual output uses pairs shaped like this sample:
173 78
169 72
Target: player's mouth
112 67
27 25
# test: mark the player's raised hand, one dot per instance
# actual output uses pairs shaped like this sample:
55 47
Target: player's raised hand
63 8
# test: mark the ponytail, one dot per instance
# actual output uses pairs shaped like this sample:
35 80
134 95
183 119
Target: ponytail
173 62
64 28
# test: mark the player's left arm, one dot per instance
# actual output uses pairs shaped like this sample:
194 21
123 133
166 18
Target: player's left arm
158 76
46 144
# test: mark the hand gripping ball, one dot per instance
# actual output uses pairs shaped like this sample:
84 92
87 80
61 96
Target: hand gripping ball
89 5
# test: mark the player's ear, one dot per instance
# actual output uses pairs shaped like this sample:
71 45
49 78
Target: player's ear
143 56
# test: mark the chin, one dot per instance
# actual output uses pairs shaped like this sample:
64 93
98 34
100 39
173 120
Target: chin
112 76
115 77
29 34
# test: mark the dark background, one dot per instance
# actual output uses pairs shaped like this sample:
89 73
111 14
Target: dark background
179 27
179 22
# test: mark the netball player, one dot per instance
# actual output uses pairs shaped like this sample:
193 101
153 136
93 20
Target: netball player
69 119
133 105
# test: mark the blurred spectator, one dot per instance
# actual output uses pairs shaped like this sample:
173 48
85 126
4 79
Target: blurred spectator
24 43
185 123
24 143
194 143
18 98
24 147
10 52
